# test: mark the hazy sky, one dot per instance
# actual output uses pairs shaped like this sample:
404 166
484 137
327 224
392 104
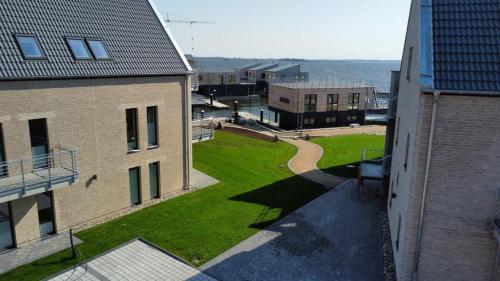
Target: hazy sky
309 29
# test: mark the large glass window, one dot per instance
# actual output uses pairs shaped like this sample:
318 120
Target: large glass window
3 166
135 186
45 214
154 180
132 130
353 102
152 113
310 103
30 47
332 102
79 49
98 49
6 234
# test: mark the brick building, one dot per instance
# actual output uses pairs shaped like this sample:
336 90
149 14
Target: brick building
444 178
94 113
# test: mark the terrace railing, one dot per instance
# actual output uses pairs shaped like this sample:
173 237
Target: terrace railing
28 176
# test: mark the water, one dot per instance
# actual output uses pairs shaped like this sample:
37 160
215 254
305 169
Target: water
323 72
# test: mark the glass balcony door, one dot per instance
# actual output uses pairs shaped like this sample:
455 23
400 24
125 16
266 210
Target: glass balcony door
45 214
39 143
154 183
135 194
6 234
3 167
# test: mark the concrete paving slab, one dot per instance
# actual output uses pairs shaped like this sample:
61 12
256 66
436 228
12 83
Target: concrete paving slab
335 237
136 260
202 180
35 250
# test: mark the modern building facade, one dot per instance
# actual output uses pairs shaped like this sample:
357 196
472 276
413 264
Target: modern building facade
306 106
95 114
444 181
289 73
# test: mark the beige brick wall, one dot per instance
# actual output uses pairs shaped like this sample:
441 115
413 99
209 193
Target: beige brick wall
276 92
457 243
90 115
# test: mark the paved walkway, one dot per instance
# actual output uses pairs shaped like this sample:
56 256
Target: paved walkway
335 237
35 251
201 180
305 163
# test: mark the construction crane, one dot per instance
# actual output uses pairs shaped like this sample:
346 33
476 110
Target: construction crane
191 23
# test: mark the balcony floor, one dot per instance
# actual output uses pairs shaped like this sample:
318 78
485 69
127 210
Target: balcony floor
372 171
11 187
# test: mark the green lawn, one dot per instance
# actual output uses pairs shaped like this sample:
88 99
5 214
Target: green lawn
256 189
342 151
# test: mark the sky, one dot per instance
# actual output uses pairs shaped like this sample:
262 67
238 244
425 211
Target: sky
304 29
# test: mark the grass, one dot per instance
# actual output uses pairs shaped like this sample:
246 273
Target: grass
256 189
343 151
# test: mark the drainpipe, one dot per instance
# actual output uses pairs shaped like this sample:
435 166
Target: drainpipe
187 137
426 183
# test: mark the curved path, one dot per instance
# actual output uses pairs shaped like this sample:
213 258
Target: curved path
304 163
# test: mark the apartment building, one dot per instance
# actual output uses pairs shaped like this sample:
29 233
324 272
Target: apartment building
307 106
94 113
444 181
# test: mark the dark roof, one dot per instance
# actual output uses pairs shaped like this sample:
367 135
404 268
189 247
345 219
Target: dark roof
135 38
466 44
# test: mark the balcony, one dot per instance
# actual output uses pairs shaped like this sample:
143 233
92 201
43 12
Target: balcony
25 177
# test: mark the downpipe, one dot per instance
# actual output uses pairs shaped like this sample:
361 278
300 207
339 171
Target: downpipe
426 183
187 140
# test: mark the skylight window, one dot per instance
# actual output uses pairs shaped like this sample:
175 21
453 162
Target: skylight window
98 49
79 49
30 47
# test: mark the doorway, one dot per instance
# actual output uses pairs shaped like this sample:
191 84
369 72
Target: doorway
46 214
6 233
39 143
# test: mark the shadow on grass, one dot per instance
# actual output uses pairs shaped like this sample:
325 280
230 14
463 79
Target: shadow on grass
280 199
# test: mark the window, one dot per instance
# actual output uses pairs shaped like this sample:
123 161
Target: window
332 102
407 151
134 176
310 103
352 118
6 233
397 131
353 102
3 167
410 59
232 79
152 117
45 214
79 49
331 120
154 182
390 194
30 47
98 49
284 100
399 233
132 133
309 121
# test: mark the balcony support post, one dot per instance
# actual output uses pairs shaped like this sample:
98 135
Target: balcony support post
50 172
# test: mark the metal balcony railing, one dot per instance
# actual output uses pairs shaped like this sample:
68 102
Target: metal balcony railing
28 176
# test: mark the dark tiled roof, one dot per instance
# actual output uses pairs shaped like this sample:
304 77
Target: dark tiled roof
130 29
466 35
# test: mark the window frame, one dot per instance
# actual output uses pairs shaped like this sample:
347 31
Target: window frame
158 182
334 104
139 186
87 42
157 140
43 56
309 99
353 101
84 42
136 130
